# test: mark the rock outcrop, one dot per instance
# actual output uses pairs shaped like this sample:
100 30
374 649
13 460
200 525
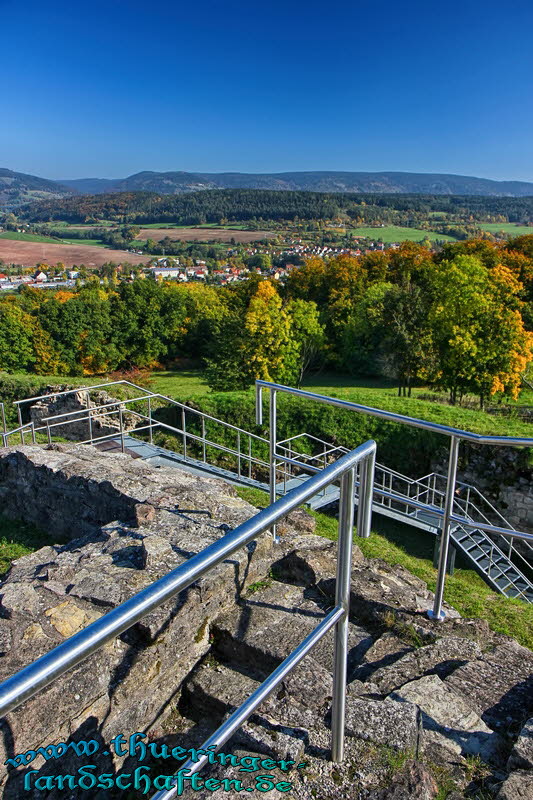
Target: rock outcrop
423 697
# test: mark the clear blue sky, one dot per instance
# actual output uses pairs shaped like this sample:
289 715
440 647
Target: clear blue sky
106 89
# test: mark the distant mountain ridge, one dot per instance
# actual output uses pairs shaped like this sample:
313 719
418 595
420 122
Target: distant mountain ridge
17 188
362 182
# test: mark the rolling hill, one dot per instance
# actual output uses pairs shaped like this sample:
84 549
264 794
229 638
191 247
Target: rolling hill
16 188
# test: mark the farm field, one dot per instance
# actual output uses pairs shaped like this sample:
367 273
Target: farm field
27 237
395 233
204 234
507 227
31 253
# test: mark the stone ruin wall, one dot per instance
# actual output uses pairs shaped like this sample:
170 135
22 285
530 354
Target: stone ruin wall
76 427
501 474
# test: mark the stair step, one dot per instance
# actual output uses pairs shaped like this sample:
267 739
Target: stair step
275 729
271 623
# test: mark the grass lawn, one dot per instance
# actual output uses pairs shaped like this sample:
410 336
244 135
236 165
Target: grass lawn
373 392
29 237
179 384
396 233
507 227
18 539
399 544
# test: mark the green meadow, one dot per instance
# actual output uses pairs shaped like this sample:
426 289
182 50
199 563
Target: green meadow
29 237
396 233
506 227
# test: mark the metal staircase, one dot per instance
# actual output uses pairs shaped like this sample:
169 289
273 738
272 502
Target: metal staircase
205 445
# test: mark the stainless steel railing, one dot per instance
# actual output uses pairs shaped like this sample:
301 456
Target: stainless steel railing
392 489
456 436
43 671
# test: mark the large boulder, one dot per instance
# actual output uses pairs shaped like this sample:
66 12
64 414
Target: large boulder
518 786
441 659
449 720
499 686
521 756
383 722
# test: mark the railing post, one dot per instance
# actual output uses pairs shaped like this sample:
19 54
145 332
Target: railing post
19 415
4 425
151 435
437 612
204 452
184 435
239 453
249 456
121 422
33 437
49 433
272 454
366 494
342 598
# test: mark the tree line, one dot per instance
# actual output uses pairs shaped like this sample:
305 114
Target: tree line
460 320
253 205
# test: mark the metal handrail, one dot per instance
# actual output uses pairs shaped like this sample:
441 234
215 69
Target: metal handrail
21 429
517 441
52 665
456 436
80 389
470 504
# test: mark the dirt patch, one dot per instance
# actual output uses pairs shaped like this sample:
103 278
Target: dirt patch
29 254
204 235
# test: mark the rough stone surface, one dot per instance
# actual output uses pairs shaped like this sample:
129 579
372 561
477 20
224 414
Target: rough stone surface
441 658
449 720
522 753
309 559
499 685
518 786
270 623
387 649
186 666
395 725
414 782
379 589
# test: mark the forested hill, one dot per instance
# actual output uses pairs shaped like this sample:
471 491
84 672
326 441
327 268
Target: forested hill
365 182
17 188
253 204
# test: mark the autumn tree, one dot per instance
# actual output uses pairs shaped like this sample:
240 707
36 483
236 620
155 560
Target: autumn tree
255 344
477 328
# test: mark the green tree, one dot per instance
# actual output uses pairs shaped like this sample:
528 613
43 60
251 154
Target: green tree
307 336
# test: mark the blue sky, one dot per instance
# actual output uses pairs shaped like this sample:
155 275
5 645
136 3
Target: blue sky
106 89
